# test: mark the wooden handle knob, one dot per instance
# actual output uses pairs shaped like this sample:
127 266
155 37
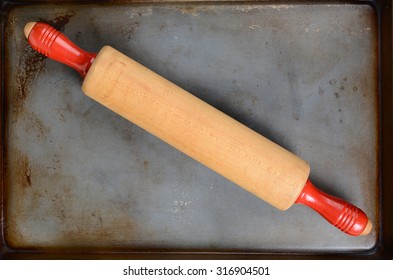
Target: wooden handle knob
55 45
343 215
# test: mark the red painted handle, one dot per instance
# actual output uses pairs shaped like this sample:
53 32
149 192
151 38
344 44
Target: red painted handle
55 45
338 212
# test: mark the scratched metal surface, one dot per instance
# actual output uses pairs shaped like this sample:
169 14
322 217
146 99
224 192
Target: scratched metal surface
78 175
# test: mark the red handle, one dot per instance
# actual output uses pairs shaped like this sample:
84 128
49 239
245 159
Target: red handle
55 45
338 212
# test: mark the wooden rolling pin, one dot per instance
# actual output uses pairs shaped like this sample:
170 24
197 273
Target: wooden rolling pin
197 129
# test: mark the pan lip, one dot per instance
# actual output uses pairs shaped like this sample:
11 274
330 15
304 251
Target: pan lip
378 252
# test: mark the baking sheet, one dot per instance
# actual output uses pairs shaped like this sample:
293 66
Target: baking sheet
79 176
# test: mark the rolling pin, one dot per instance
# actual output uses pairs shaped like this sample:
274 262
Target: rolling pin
195 128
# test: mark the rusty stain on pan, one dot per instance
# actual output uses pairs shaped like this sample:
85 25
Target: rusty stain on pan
23 178
60 20
32 63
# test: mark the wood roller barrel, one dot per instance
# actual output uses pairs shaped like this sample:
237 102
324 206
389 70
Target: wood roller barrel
197 129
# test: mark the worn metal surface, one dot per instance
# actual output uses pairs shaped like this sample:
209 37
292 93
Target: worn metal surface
77 175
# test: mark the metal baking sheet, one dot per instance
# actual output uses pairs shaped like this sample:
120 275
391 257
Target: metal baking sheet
77 176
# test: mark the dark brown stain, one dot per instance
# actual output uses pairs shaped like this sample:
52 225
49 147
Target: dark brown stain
23 172
39 127
60 20
31 63
95 228
145 165
188 10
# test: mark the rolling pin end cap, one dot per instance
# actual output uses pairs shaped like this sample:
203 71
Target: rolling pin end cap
28 27
367 229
